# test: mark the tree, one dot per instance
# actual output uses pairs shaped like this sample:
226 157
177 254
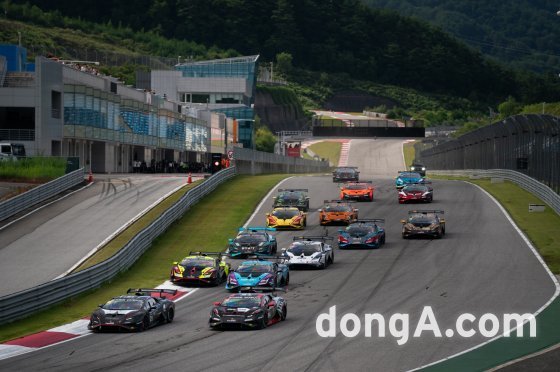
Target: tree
284 63
265 140
509 108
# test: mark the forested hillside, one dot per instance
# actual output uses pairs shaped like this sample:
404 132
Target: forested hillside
343 37
522 33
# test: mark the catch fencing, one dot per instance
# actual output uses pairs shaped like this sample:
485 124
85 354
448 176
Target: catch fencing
529 144
39 194
254 162
24 303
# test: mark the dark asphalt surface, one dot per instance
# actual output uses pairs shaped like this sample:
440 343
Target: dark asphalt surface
481 266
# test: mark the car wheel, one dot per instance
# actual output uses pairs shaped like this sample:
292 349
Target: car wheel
284 312
145 324
287 279
264 321
404 236
170 315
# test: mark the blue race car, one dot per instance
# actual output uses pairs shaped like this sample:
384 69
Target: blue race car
251 241
259 273
362 234
408 178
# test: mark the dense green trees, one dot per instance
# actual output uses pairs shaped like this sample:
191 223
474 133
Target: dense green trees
337 37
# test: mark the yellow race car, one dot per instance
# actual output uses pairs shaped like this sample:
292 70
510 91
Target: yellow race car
286 218
200 267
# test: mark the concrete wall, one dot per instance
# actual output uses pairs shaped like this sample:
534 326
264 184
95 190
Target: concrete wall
48 128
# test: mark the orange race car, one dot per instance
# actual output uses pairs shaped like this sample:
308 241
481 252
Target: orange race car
357 191
337 212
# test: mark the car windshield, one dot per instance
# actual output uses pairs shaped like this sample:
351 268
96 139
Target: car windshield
415 188
285 214
291 195
241 301
424 218
204 262
123 304
410 175
356 187
254 269
359 230
337 208
307 249
250 238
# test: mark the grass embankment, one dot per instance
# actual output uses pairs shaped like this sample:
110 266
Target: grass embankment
409 153
206 226
327 150
35 170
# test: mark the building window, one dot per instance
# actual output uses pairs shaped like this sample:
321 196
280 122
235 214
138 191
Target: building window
185 97
56 102
200 98
227 100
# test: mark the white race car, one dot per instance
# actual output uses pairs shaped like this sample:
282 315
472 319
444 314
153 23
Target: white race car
309 251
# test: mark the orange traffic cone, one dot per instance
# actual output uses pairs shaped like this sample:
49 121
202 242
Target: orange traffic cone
90 176
189 179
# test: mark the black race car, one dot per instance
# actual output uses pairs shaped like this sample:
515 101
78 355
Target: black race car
423 223
252 310
292 198
136 311
342 174
418 168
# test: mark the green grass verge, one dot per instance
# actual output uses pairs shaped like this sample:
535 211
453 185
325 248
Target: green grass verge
35 169
409 153
124 237
328 150
206 226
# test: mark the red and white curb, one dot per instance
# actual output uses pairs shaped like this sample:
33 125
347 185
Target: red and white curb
67 332
344 153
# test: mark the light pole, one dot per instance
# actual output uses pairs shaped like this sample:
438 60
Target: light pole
178 59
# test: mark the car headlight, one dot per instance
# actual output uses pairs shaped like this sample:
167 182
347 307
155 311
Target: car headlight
412 168
399 181
261 244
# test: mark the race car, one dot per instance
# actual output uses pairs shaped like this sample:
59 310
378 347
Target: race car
418 168
424 223
365 233
286 218
252 310
252 241
138 310
342 174
259 272
415 193
309 251
357 191
337 212
201 268
408 178
292 198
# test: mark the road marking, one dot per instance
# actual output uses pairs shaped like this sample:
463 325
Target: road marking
539 258
46 205
267 197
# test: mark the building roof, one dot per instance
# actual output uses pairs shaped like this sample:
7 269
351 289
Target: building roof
245 59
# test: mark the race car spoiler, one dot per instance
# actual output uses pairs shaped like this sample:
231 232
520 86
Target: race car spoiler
254 289
198 253
366 220
338 201
426 211
337 168
263 258
256 228
282 190
142 291
312 238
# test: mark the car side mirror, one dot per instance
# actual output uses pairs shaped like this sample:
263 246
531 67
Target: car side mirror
319 210
230 240
284 250
100 305
268 214
356 210
307 198
442 220
152 307
340 231
403 221
217 303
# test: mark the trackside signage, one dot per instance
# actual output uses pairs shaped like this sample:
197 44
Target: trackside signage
403 327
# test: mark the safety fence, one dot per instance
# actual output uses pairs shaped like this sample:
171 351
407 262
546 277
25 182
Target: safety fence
539 189
529 144
24 303
39 194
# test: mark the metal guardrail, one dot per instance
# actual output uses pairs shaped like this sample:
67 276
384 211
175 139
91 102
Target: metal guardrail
542 191
40 193
24 303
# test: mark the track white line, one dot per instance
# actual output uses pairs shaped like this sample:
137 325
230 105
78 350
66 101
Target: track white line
267 197
539 258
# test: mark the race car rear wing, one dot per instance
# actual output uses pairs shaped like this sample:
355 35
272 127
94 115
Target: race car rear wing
369 220
312 238
255 289
146 291
282 190
339 201
198 253
256 228
426 211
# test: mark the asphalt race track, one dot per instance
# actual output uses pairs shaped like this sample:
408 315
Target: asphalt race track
480 266
47 243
